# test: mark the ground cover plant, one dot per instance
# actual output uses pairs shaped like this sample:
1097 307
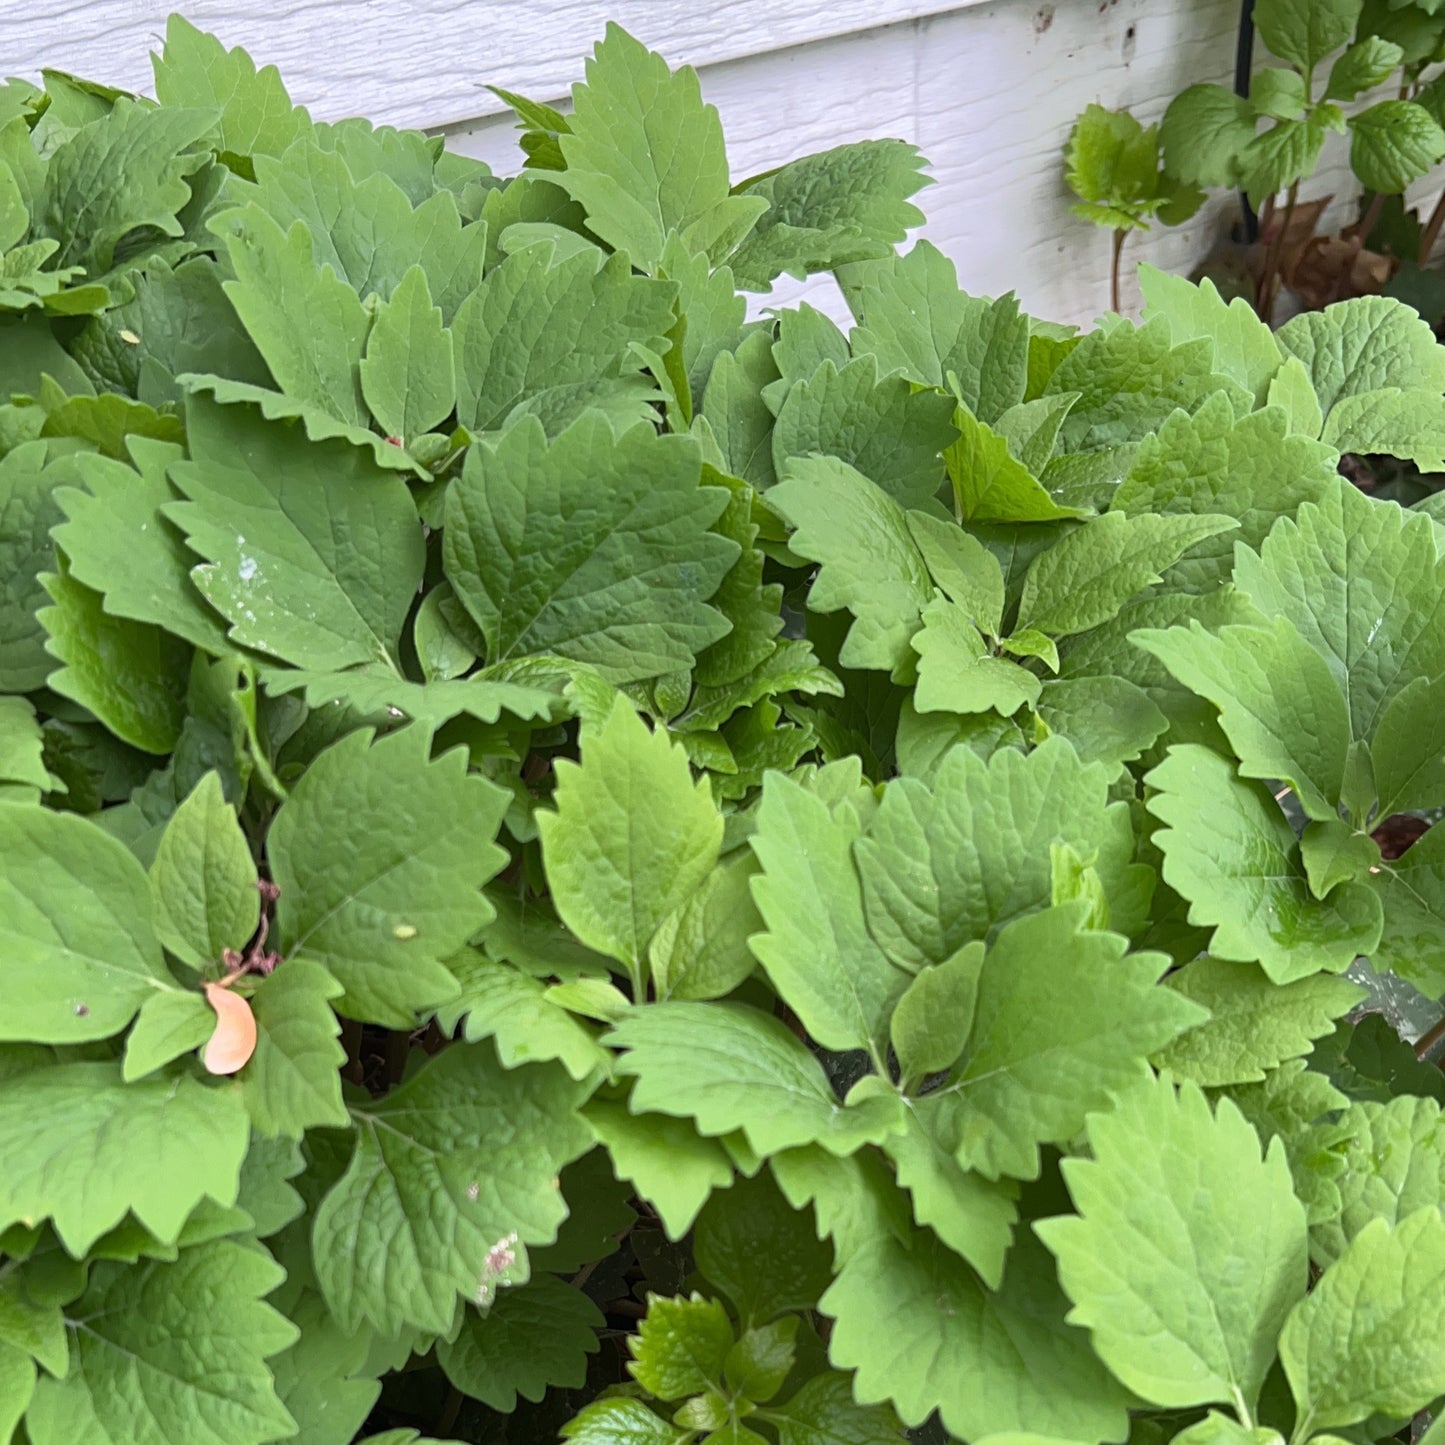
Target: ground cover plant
576 864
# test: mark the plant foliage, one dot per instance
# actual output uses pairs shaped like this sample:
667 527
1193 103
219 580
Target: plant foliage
576 864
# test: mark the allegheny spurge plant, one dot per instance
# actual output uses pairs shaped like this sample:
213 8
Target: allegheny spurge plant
576 863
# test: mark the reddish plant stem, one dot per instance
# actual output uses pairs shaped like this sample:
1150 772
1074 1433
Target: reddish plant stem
1114 270
1431 233
1269 277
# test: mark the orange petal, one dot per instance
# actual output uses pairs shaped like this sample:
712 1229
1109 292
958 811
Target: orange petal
234 1040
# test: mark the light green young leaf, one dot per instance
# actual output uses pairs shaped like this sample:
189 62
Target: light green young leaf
313 554
30 506
1244 347
620 1420
1393 144
379 855
408 377
118 543
592 547
1303 32
307 322
1210 1336
990 484
1409 424
733 407
551 332
934 1017
644 157
827 210
428 1192
869 563
534 1338
1203 132
824 1411
195 69
498 1001
1280 708
731 1067
958 674
945 864
1355 1345
715 312
1334 853
75 922
1293 390
916 321
83 1148
1366 64
701 950
966 570
292 1082
1412 890
1361 582
129 674
203 879
1088 575
1394 1164
633 837
887 429
1253 1024
680 1346
1407 754
1232 854
673 1167
1108 720
1047 1044
170 1351
168 1025
922 1331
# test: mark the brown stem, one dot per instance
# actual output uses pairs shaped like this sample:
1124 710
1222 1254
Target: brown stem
1431 233
1360 231
451 1408
1269 277
1429 1039
398 1049
1114 270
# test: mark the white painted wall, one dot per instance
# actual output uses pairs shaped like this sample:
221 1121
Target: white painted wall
987 88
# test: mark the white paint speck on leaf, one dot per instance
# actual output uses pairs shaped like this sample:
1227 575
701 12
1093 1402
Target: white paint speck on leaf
247 569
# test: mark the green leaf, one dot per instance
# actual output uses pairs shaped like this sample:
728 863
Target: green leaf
869 563
1392 422
1354 1346
427 1190
122 172
22 743
680 1346
1231 852
934 1017
407 375
168 1025
1253 1024
592 547
1107 719
1279 706
84 1148
163 1352
923 1332
731 1067
500 1002
947 864
75 913
1394 1164
1278 93
963 567
886 429
1333 853
1088 575
307 322
30 509
379 855
203 879
619 1420
958 674
1209 1337
129 674
1358 579
826 210
761 1253
534 1338
313 554
1393 144
1203 132
1366 64
322 1380
1412 890
701 950
644 156
824 1412
291 1082
1303 32
762 1359
1048 1044
1113 161
916 321
257 117
545 330
632 839
990 484
817 950
673 1167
